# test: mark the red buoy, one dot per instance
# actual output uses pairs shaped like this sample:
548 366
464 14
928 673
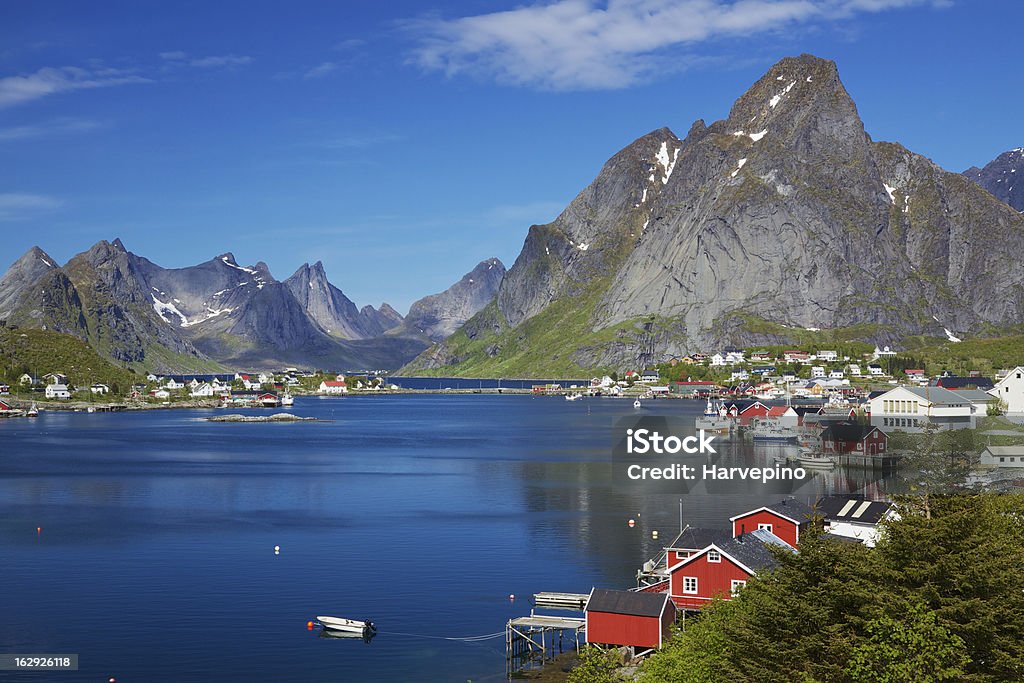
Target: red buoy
309 625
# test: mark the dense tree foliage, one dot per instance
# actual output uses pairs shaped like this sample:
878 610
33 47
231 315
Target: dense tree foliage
941 598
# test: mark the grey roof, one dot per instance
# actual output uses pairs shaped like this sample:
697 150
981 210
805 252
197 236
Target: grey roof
788 507
627 602
852 509
753 549
1005 450
940 396
694 538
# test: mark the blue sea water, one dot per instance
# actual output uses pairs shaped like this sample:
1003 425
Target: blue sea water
423 513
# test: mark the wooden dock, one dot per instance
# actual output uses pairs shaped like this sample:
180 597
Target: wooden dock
574 601
531 641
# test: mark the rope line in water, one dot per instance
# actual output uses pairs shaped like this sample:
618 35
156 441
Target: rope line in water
466 639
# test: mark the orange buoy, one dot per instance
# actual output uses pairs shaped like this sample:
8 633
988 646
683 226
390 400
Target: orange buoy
39 529
309 625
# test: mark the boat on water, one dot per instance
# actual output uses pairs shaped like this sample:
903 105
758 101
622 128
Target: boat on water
773 434
714 420
816 460
636 403
287 399
33 411
342 625
573 397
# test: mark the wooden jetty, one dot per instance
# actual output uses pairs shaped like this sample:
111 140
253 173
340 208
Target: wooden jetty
575 601
531 641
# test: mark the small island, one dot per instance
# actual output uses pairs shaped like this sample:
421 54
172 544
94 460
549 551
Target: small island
277 417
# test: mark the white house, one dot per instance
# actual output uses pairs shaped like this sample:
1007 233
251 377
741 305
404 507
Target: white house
836 374
855 518
264 378
160 393
817 371
59 391
333 387
100 389
204 390
718 359
734 357
1010 390
220 387
827 356
1003 456
174 385
875 370
854 370
909 409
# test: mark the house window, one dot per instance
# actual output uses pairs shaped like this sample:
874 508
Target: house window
737 584
1002 459
764 527
714 556
690 584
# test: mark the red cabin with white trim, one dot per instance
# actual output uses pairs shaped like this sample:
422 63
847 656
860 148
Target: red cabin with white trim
785 519
630 618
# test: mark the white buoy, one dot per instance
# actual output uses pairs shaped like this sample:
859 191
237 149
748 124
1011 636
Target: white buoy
654 534
277 549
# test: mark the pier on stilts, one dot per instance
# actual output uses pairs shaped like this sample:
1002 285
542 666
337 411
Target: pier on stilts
531 641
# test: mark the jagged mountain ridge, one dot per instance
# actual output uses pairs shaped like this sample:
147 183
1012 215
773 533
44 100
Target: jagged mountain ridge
437 316
22 274
1002 177
785 215
335 312
217 312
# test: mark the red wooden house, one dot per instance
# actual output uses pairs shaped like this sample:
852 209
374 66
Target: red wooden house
851 437
722 568
630 618
754 410
785 519
4 406
690 541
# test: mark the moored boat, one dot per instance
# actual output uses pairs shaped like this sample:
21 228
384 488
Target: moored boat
347 625
287 399
33 411
818 460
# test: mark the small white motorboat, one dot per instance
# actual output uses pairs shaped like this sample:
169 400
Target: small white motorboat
287 400
636 403
573 397
817 460
33 411
347 625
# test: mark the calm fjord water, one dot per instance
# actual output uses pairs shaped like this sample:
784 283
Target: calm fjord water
422 513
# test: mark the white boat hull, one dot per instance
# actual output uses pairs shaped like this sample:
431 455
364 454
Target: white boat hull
346 625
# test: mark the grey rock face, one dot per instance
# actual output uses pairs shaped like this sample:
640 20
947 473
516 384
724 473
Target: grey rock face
1003 177
786 211
22 274
437 316
335 312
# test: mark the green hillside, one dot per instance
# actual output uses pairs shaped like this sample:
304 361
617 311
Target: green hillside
38 352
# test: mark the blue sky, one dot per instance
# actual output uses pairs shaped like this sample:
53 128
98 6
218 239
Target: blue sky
402 142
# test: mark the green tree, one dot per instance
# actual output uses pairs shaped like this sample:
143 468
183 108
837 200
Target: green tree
595 666
909 648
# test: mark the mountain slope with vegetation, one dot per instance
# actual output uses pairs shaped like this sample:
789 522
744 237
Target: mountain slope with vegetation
786 212
40 352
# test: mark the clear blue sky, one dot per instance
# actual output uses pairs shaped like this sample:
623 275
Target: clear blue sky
402 142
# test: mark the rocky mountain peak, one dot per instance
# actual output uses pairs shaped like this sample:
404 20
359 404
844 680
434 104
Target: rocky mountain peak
438 316
22 274
1002 177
